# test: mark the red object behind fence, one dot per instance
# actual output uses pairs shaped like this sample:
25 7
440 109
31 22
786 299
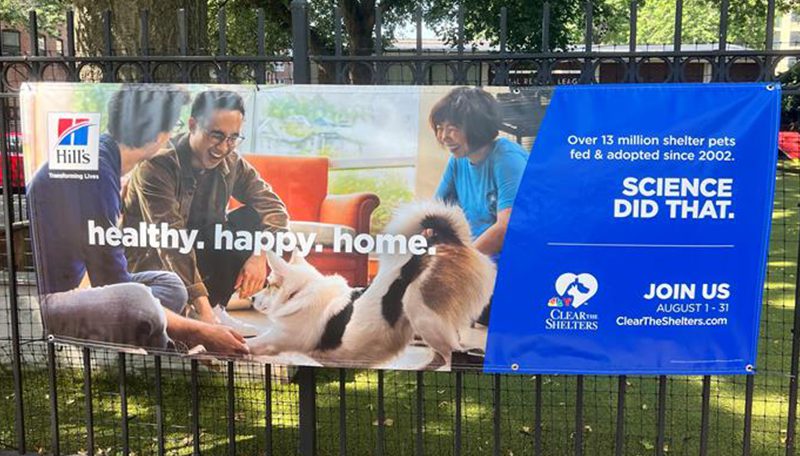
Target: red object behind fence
789 144
15 164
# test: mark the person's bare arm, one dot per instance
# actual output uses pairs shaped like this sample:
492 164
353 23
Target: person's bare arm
202 305
215 338
491 241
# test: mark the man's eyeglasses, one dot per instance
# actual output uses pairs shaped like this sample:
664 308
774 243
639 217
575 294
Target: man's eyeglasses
219 137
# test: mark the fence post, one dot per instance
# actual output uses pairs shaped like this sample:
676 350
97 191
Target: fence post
587 73
300 61
769 44
306 379
677 39
16 358
87 394
794 369
632 73
53 389
306 376
195 394
108 47
262 48
33 37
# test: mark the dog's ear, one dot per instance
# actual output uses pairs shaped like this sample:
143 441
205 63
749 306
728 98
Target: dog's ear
276 264
297 258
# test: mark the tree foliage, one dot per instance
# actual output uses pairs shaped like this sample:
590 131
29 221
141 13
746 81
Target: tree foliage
358 19
700 21
790 104
655 25
482 22
50 13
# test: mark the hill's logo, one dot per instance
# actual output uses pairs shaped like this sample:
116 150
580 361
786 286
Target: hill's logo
573 291
74 141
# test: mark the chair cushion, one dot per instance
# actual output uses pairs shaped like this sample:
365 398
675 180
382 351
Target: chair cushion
301 182
324 231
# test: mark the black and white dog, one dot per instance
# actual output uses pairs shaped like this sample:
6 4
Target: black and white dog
434 296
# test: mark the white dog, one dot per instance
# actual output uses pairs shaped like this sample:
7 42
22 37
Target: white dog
434 296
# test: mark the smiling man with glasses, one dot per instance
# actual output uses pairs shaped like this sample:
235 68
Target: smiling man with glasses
188 186
219 137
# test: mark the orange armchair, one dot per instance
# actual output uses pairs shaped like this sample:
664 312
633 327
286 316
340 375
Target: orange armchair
302 184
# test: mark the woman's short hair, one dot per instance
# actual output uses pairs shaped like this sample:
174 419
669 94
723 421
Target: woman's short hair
471 109
137 114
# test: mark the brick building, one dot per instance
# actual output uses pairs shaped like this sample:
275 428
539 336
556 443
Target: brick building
16 41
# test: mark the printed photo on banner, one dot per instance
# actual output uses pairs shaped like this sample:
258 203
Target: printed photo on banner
308 225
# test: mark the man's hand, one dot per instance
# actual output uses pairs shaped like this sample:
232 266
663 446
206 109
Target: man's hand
203 308
252 276
215 338
221 339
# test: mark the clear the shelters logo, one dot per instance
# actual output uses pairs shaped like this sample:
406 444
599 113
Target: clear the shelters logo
572 291
74 141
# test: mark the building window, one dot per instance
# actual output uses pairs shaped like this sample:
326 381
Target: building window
280 67
794 39
42 43
10 42
59 46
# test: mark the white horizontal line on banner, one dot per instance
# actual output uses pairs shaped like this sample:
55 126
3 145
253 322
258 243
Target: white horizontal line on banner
676 246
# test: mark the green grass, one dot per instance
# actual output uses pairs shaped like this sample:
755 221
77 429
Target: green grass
682 414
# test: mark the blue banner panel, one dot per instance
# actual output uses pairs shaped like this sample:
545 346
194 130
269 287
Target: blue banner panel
639 235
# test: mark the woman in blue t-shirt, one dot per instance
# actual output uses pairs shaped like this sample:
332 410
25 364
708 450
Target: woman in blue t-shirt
484 171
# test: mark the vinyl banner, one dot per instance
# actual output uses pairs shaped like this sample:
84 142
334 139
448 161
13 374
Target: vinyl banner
640 233
603 229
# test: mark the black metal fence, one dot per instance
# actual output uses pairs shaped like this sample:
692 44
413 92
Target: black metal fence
66 400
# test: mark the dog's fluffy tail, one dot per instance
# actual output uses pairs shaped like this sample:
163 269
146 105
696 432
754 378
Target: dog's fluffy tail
439 222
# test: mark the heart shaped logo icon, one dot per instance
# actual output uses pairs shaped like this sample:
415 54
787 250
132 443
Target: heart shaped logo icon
579 288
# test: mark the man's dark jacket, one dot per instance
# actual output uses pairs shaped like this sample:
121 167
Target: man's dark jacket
162 190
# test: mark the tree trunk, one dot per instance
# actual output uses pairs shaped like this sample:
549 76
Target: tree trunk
359 20
163 33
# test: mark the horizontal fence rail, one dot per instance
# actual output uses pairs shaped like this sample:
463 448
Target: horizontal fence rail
61 399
